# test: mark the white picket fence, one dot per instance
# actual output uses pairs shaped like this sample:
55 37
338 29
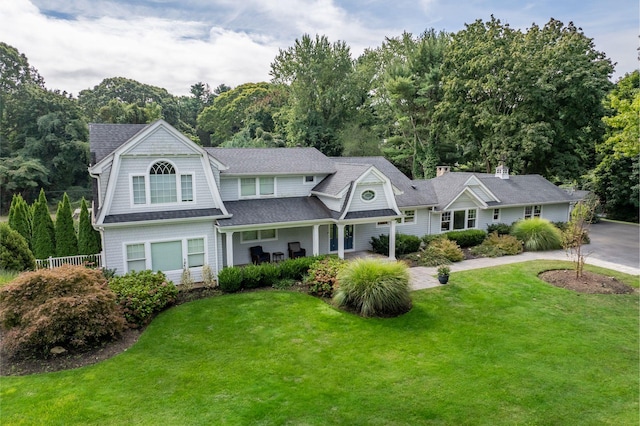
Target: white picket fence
93 260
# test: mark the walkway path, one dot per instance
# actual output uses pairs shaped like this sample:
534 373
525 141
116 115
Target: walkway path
425 277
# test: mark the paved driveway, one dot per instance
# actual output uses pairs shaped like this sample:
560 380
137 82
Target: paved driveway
615 242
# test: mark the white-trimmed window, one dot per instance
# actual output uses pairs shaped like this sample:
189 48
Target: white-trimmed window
136 259
458 220
262 186
258 235
496 215
139 190
532 211
195 252
445 221
166 255
409 217
309 179
163 185
368 195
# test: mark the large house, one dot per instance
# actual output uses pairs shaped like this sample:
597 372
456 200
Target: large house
162 202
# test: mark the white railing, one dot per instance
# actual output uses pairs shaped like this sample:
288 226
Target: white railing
93 260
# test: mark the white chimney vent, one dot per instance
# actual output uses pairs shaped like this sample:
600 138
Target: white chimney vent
440 170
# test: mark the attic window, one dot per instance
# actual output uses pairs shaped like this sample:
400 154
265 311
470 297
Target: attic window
368 195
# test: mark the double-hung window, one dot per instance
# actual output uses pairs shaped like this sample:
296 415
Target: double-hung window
458 219
139 190
259 235
136 258
532 211
252 187
496 215
445 222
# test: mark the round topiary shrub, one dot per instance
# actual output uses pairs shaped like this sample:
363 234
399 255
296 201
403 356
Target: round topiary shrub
537 234
374 288
14 251
70 306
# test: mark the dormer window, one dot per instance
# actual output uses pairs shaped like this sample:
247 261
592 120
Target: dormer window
257 187
368 195
163 185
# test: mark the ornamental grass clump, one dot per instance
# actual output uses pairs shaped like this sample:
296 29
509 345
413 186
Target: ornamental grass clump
496 245
537 234
373 288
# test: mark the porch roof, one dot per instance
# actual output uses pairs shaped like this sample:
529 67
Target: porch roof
274 210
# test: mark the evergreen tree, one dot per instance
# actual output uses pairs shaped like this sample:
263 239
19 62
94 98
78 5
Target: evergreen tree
66 240
88 238
44 236
20 217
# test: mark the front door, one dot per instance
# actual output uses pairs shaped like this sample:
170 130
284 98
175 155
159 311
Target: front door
333 237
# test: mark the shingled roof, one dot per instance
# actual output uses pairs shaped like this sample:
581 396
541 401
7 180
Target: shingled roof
272 161
517 190
106 138
274 210
413 193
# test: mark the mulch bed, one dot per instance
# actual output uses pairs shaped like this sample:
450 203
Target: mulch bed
589 282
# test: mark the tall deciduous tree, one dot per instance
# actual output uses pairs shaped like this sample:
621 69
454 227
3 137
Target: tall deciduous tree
20 217
533 97
44 236
88 237
616 179
322 97
66 239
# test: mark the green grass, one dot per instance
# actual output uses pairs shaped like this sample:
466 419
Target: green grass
495 346
7 276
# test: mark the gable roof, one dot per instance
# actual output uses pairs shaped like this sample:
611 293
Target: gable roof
106 138
274 210
345 174
412 193
515 191
272 161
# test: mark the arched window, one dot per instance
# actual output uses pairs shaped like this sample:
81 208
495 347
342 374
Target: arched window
162 182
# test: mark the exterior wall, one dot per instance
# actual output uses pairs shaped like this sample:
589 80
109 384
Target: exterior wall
378 203
104 180
122 199
463 202
420 228
285 186
480 192
160 143
334 204
116 239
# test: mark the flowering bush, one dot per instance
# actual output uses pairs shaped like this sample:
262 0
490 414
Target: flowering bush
322 276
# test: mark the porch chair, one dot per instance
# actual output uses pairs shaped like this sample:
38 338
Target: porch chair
258 256
296 251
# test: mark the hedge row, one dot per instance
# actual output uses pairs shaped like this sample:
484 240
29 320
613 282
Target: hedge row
236 278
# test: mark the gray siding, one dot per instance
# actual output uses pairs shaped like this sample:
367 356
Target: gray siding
229 189
161 143
115 240
304 235
379 202
122 202
464 202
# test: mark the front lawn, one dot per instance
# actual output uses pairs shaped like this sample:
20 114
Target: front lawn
495 346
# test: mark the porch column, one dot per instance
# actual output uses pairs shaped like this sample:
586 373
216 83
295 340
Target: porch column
340 241
316 240
229 248
392 240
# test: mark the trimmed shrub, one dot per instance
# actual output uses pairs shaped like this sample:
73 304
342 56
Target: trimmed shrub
444 249
323 275
230 279
14 251
251 276
468 237
500 228
537 234
142 294
496 245
70 306
404 244
374 288
428 239
295 269
284 283
66 240
270 274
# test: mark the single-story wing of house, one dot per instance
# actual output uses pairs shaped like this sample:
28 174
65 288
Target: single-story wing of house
163 202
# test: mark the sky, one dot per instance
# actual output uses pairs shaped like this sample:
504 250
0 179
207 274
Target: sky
75 44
